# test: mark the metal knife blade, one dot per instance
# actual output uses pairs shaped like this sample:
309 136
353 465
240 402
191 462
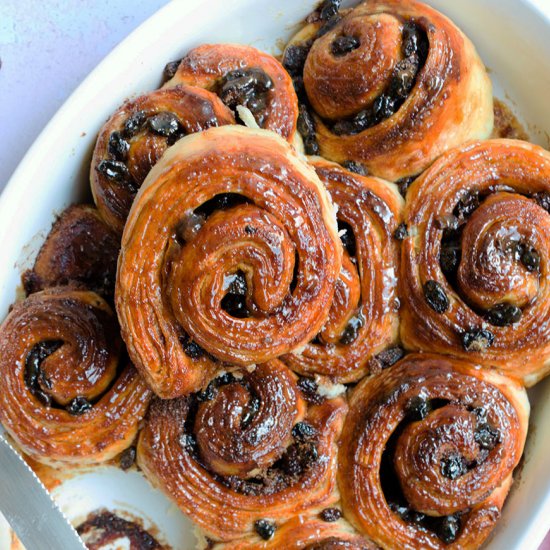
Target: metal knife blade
29 508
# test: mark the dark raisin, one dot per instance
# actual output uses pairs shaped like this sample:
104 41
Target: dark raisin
403 77
418 408
480 414
191 348
127 458
264 528
249 230
347 236
453 466
188 442
486 436
543 199
235 305
113 170
134 124
331 514
170 70
406 513
297 458
530 259
466 206
356 167
328 9
477 339
447 529
343 45
34 377
415 41
118 147
299 88
295 58
390 356
238 284
225 379
306 127
449 260
351 332
79 405
303 431
403 185
329 25
504 314
240 86
401 233
384 107
208 393
309 387
436 297
165 124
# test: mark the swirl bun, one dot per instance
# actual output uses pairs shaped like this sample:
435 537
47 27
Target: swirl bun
363 319
475 265
428 450
231 242
135 137
245 454
391 84
242 75
62 397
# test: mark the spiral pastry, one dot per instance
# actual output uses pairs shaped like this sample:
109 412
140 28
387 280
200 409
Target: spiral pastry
305 534
79 249
363 319
62 397
135 138
247 453
391 84
231 247
428 450
241 76
475 272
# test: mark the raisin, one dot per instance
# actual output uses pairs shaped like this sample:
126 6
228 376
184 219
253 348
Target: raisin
303 431
543 199
390 356
134 124
127 458
384 107
343 45
447 529
477 339
118 147
449 260
403 184
250 412
351 332
503 315
486 436
309 387
356 167
79 405
530 258
347 236
170 70
235 305
436 297
328 9
453 466
165 124
404 77
191 348
401 233
418 408
264 528
113 170
295 58
466 206
331 514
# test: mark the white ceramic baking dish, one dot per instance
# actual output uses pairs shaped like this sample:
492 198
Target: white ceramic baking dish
513 39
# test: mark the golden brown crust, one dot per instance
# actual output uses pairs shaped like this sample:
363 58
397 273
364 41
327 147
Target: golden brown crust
432 436
188 444
450 103
208 64
79 249
302 533
63 398
178 261
363 319
138 147
485 203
